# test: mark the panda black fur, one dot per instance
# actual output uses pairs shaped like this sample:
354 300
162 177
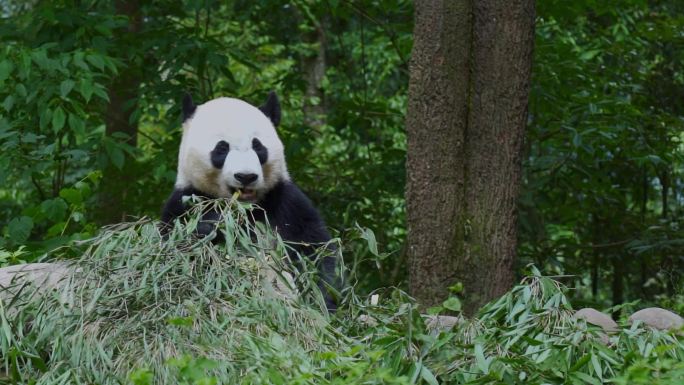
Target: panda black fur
230 145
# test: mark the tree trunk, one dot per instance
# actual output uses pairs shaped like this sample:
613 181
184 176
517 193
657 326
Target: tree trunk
596 255
618 288
595 274
467 107
123 96
314 71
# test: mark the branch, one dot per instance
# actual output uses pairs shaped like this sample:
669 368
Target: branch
609 244
40 190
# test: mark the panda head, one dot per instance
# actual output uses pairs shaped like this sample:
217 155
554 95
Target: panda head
230 146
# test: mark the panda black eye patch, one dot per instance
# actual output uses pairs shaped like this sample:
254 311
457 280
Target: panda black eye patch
261 151
218 154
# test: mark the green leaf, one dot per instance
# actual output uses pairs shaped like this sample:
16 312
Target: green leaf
434 310
453 304
8 103
116 155
21 90
96 60
101 93
369 236
66 87
84 188
58 119
597 366
181 321
86 89
456 288
588 55
415 372
56 230
38 362
5 69
427 376
104 29
78 60
19 229
25 67
141 377
482 362
580 363
76 124
45 116
587 378
54 209
577 140
41 59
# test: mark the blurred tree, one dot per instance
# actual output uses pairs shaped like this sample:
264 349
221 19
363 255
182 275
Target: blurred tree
601 198
467 105
54 65
313 67
121 117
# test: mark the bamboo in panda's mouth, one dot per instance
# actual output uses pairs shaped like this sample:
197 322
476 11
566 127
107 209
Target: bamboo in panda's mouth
247 194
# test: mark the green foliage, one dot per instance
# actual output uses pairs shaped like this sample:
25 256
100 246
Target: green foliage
601 197
666 371
51 92
146 310
527 336
12 257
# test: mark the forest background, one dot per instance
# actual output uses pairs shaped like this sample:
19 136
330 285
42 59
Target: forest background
90 124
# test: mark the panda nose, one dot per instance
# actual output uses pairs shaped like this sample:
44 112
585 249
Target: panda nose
245 179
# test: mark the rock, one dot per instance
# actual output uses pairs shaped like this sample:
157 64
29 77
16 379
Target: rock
282 283
48 274
658 318
597 318
367 321
43 275
441 322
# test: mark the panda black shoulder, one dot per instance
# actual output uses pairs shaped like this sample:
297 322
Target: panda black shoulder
174 207
293 215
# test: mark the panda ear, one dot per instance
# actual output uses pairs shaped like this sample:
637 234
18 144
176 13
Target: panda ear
272 108
188 107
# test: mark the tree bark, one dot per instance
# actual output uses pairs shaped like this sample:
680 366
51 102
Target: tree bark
618 288
314 70
436 123
467 108
123 96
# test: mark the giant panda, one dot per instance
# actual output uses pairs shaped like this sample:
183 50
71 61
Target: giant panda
230 146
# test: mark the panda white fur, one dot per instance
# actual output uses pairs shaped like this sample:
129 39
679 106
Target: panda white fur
229 145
